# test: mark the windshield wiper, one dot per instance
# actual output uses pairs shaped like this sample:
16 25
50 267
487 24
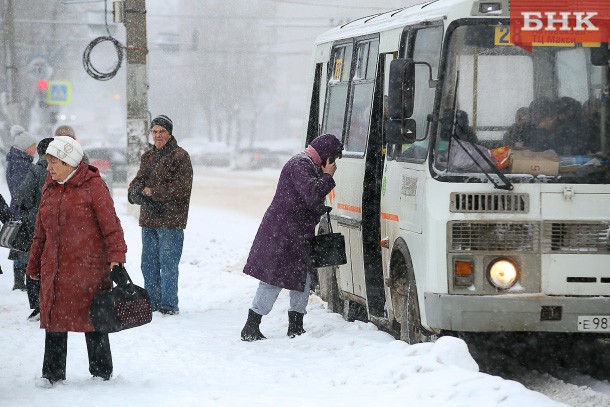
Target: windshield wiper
506 184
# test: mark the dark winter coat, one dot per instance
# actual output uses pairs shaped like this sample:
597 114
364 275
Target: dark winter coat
77 235
281 251
5 212
29 195
169 174
18 163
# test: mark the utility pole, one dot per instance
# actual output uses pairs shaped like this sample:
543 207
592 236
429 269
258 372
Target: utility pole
137 83
9 60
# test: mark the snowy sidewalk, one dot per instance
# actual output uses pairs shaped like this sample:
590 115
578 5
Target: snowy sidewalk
197 358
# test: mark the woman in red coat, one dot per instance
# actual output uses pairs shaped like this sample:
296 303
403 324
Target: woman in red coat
77 240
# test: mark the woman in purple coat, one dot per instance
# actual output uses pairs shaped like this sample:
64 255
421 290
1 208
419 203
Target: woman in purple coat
280 256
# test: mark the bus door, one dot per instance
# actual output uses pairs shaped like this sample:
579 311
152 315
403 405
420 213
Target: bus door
347 114
402 200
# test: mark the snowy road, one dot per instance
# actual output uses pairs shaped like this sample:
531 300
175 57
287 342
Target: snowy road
197 359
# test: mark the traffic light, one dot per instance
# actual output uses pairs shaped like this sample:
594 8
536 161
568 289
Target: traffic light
42 85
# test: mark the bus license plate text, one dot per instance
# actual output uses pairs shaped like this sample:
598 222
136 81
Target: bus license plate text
594 323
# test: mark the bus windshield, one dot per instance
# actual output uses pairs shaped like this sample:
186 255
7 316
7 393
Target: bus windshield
535 116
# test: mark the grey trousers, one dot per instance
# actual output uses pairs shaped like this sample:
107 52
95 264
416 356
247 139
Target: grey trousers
266 295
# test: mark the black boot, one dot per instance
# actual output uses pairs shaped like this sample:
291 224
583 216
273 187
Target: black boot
251 331
295 324
19 279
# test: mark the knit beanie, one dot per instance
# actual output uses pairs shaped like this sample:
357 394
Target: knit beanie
65 130
41 148
22 139
67 150
164 122
327 146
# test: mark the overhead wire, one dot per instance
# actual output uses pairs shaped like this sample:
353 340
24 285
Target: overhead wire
89 68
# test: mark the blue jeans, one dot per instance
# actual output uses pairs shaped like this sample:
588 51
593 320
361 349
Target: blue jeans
161 252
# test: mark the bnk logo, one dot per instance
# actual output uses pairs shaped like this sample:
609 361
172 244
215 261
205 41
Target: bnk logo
534 21
566 22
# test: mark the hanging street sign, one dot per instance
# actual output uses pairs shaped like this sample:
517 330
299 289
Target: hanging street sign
59 93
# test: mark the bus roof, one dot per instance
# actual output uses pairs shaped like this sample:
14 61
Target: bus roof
392 19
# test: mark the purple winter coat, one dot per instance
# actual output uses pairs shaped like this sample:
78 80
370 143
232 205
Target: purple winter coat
281 252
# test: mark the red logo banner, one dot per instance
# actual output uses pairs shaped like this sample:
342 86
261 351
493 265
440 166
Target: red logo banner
543 22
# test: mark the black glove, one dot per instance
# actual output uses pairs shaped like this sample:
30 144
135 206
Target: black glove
136 196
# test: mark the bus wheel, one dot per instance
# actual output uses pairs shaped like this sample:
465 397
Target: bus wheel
406 307
329 289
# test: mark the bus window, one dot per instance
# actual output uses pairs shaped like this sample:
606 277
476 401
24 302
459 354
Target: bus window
542 101
426 45
363 86
336 98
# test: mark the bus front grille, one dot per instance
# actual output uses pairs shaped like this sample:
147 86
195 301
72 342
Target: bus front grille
489 203
575 237
496 236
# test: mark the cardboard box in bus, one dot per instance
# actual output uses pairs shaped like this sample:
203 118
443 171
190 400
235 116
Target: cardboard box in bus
535 163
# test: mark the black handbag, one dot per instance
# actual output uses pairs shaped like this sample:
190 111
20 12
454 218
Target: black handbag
328 249
15 235
122 307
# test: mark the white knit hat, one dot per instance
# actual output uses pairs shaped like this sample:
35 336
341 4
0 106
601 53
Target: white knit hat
67 150
21 138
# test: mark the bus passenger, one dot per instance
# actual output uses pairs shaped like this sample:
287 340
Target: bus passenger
571 134
280 256
516 134
540 137
591 115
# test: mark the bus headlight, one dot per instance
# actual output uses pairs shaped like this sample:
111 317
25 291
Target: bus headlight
502 273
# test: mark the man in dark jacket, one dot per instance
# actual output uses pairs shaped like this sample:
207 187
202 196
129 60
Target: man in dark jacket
280 256
28 201
162 187
18 162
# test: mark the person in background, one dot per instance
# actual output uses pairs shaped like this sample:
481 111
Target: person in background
543 116
516 135
162 187
591 115
68 131
571 134
28 200
78 238
280 256
5 214
18 162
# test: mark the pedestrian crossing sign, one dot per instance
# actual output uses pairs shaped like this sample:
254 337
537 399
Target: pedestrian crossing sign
59 92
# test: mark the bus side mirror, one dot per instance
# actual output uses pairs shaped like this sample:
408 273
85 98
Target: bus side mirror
600 55
400 128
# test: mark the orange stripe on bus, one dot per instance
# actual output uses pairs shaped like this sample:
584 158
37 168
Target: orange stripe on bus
389 216
350 208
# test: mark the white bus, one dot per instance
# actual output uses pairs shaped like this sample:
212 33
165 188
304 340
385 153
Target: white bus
445 231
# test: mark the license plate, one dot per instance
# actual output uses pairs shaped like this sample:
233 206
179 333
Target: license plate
594 323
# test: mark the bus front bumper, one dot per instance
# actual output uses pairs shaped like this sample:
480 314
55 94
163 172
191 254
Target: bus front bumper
513 312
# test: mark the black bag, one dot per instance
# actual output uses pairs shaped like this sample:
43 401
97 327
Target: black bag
15 235
328 249
122 307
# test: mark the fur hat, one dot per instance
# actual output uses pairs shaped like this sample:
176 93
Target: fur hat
164 122
21 138
65 130
327 146
67 150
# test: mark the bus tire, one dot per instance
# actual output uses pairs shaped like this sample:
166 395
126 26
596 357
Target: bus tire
405 303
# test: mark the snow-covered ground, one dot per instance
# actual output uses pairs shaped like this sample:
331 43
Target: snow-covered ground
198 359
